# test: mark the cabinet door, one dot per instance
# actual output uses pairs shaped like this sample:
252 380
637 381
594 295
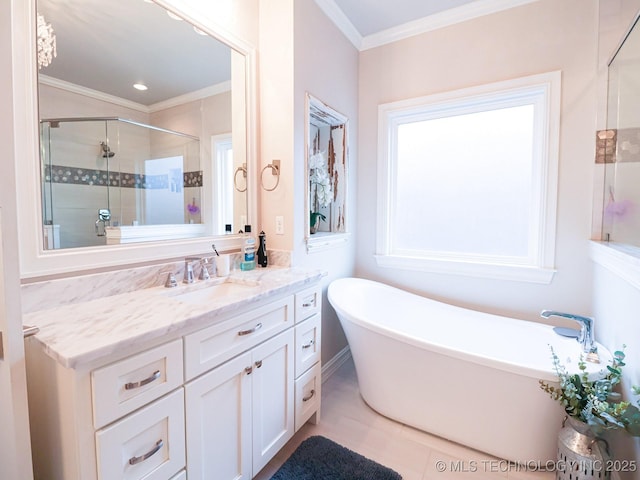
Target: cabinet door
273 397
218 422
307 344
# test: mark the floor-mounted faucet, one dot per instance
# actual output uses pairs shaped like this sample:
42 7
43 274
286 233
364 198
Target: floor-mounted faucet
586 337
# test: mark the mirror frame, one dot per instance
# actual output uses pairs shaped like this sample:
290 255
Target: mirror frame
325 240
35 261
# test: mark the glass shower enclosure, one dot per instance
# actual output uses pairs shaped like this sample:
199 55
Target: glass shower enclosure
109 172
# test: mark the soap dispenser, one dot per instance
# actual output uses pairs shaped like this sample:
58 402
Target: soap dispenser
262 249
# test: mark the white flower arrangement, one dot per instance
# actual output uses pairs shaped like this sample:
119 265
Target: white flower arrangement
320 188
319 179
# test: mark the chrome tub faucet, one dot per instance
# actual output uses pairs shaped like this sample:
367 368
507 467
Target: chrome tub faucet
586 337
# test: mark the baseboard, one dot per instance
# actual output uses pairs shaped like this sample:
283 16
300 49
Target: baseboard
335 363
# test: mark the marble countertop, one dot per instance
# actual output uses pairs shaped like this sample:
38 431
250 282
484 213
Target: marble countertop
81 333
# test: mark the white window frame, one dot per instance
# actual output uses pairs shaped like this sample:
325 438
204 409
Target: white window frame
543 92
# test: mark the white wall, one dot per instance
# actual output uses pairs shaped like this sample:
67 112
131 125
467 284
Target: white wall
616 302
302 51
539 37
326 66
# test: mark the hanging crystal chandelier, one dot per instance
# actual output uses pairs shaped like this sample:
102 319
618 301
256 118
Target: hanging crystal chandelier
46 43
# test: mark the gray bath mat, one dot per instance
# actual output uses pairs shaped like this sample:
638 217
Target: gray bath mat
318 458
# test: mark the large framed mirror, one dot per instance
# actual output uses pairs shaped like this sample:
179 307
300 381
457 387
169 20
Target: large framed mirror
620 144
145 134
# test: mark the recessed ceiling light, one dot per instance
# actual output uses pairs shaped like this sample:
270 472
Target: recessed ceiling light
140 86
198 31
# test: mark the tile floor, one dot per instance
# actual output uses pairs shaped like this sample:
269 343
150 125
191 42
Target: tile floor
416 455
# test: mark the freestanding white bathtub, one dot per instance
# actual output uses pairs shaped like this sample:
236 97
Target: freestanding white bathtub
467 376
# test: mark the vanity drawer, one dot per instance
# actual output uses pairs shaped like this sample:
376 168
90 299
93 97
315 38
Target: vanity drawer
149 443
308 390
208 348
308 302
121 387
307 344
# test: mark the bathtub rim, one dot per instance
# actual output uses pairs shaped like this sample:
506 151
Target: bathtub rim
547 375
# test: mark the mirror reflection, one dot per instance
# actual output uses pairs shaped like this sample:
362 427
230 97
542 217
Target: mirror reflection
136 118
619 145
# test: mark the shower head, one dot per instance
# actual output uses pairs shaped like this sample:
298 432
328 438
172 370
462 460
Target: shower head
106 151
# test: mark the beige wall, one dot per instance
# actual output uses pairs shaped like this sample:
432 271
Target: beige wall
543 36
302 51
326 66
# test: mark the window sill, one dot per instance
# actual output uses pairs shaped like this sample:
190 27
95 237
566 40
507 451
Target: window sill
520 273
622 260
321 241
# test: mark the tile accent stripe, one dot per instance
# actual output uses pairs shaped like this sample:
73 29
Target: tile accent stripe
104 178
606 146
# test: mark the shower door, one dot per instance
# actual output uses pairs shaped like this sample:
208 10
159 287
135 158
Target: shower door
111 172
78 169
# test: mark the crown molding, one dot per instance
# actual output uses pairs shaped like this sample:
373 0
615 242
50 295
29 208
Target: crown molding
105 97
91 93
443 19
216 89
337 16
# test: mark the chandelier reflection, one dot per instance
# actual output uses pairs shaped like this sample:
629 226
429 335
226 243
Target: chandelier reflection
46 43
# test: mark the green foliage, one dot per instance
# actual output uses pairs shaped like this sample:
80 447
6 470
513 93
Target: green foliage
594 401
313 218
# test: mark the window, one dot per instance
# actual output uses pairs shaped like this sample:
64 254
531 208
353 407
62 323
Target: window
468 179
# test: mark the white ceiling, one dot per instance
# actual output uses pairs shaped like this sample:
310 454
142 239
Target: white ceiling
108 45
373 16
371 23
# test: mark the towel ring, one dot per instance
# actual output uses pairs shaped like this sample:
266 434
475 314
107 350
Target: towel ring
242 169
275 170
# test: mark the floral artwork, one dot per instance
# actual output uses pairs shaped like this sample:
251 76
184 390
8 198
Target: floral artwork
326 168
320 184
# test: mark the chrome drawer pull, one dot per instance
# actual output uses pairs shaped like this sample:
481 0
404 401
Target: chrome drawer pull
131 385
250 331
150 453
308 345
248 370
258 363
309 397
309 303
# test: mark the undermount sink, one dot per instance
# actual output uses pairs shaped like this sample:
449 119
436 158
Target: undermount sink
204 293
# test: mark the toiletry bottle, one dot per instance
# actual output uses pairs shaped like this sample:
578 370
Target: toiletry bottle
262 249
249 262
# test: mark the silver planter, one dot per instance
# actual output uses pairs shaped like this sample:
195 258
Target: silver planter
581 454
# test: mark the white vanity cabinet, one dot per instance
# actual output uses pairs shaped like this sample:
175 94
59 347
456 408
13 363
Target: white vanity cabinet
216 402
241 413
307 356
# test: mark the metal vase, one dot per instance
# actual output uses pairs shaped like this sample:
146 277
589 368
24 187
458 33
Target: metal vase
581 454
